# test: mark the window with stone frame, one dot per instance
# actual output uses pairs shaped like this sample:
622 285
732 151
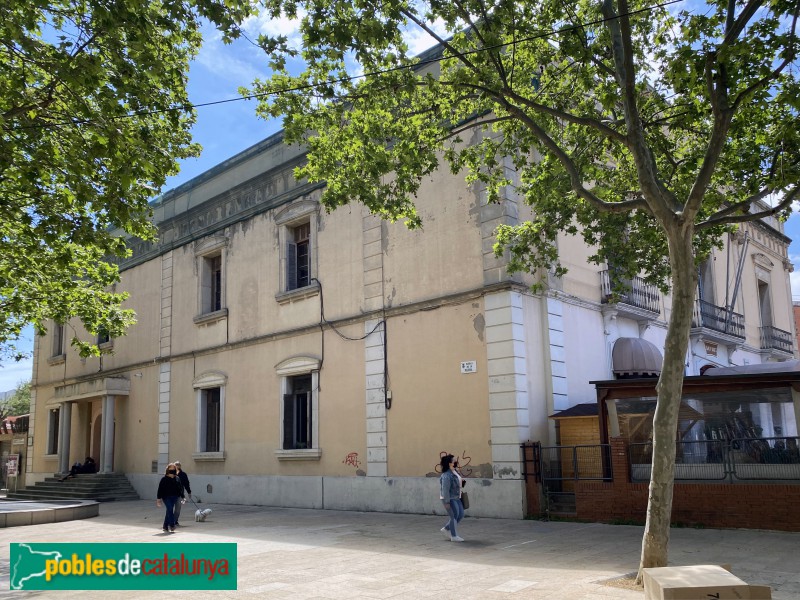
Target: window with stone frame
53 421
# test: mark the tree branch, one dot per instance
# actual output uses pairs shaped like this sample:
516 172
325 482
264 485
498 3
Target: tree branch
723 217
777 71
441 41
568 117
576 182
734 29
474 29
474 124
622 52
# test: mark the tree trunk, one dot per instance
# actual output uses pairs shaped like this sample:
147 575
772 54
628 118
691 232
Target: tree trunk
669 388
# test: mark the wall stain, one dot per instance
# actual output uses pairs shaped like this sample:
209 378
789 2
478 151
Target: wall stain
479 323
506 471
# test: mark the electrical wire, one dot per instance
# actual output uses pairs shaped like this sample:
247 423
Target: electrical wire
310 86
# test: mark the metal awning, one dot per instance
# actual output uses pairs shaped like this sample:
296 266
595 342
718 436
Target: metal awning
788 366
635 356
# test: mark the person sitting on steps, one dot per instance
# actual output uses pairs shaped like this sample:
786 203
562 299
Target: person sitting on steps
88 466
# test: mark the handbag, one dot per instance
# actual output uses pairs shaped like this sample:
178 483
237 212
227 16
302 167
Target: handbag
465 500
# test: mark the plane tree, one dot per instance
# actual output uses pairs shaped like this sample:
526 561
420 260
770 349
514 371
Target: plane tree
94 115
648 130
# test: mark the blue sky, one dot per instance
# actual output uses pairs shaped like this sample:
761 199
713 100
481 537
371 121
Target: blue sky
227 129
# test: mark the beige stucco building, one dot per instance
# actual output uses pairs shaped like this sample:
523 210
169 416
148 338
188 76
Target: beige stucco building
294 357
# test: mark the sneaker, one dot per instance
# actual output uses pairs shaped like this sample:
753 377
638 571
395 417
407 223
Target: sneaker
455 538
445 531
172 530
164 529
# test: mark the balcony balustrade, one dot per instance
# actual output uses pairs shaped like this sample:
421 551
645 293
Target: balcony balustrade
638 293
718 319
773 338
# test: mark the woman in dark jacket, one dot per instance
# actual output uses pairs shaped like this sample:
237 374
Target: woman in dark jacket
170 491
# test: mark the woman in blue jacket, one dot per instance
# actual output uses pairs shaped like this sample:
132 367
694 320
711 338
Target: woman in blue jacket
450 494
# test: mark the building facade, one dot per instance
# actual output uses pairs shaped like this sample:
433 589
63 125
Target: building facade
294 357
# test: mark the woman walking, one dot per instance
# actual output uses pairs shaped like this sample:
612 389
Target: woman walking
170 491
450 494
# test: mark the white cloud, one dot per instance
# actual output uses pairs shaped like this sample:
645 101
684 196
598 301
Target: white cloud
419 40
12 373
794 278
229 62
264 24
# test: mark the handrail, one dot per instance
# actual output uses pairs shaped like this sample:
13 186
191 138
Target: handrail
639 294
717 318
778 339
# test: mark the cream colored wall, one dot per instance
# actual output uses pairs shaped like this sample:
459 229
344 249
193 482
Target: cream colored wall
140 344
582 278
136 418
254 161
252 280
445 256
436 408
253 400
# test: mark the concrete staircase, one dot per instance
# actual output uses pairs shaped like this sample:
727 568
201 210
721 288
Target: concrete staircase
102 487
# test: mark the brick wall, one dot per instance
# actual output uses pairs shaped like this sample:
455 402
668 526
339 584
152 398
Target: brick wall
742 505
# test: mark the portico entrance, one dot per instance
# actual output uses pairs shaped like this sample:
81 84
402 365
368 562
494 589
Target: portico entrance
96 428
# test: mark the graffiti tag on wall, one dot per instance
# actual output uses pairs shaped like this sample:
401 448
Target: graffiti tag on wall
352 460
463 463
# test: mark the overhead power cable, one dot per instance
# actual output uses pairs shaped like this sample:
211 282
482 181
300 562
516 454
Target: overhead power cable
311 86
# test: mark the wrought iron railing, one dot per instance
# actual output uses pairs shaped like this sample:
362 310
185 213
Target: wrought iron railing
717 318
763 459
773 338
637 293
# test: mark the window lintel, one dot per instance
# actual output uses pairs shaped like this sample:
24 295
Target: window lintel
210 379
297 365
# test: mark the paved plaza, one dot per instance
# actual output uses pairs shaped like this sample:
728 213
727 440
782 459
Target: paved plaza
317 554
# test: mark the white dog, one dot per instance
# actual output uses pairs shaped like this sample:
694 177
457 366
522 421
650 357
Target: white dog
200 515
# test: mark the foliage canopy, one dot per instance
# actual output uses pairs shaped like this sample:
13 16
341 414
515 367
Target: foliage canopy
537 85
19 402
94 116
646 129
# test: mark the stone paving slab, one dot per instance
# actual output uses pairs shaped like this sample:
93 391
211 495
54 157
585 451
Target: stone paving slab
316 554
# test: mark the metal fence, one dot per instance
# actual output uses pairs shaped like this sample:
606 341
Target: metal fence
576 462
764 459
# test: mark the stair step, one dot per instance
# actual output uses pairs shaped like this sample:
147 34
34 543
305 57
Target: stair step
103 487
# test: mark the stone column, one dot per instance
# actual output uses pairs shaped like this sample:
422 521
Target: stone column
64 431
796 402
107 435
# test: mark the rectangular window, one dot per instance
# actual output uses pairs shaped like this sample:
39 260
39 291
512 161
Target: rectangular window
52 430
298 256
58 339
216 283
297 414
211 283
764 303
210 420
103 337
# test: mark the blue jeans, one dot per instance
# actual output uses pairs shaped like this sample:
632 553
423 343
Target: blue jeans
456 513
169 516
